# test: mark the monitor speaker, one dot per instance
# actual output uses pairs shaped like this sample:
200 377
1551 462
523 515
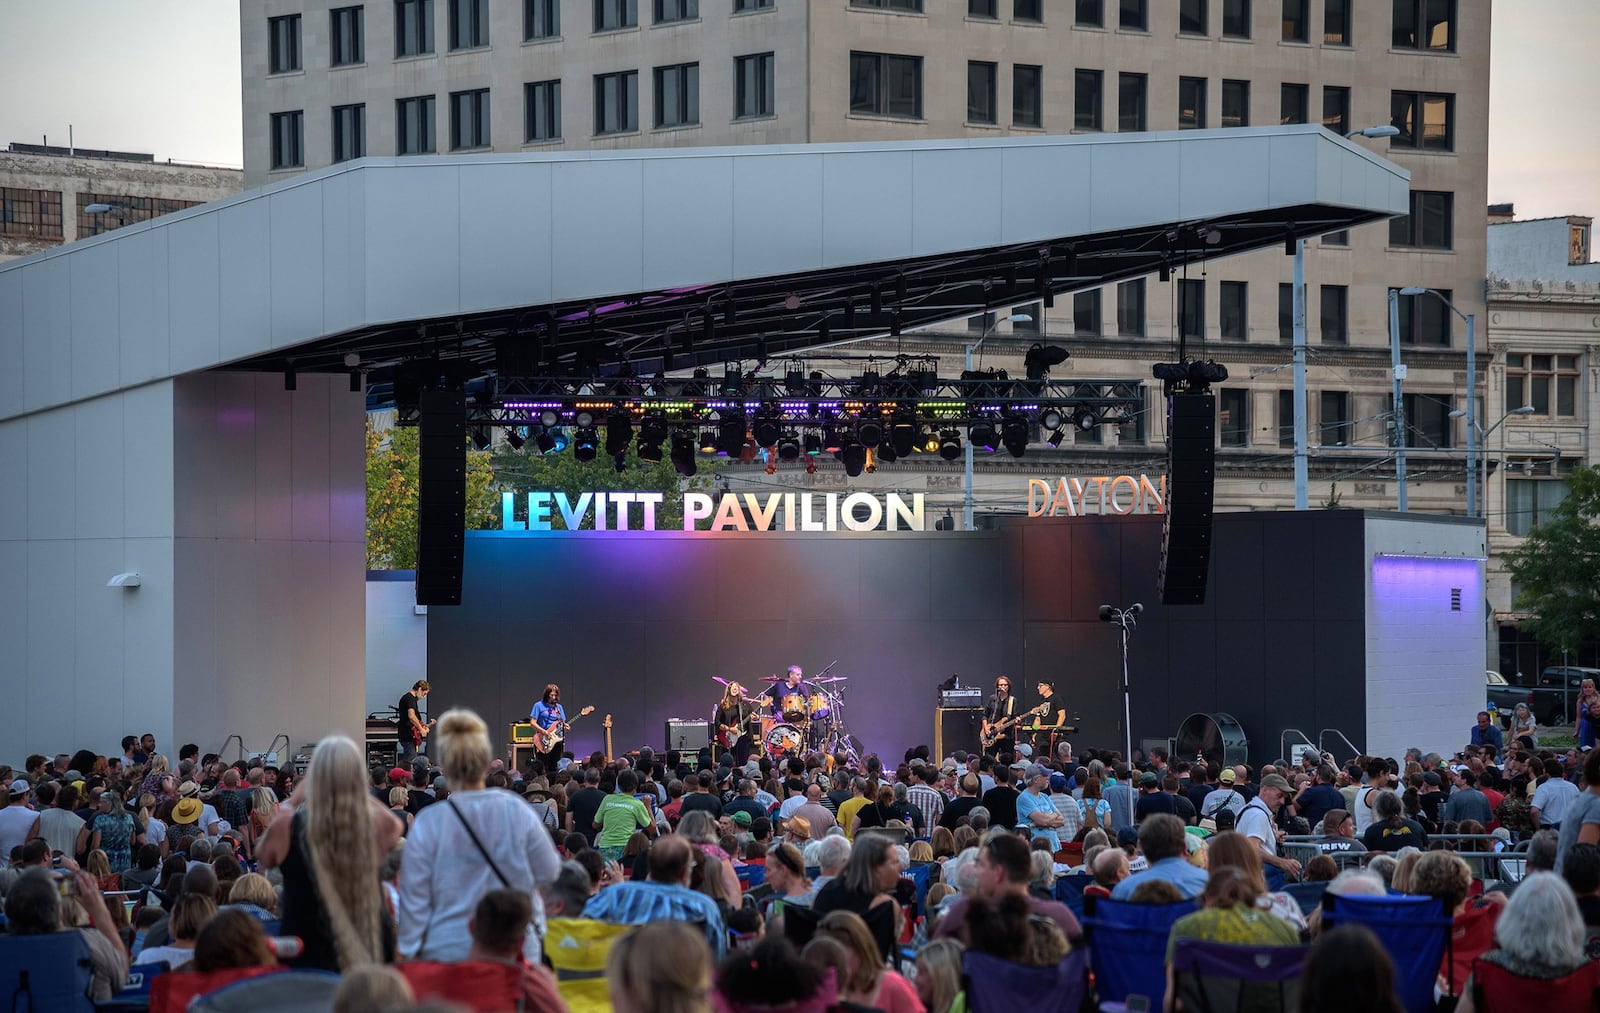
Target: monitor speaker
1191 483
442 497
956 728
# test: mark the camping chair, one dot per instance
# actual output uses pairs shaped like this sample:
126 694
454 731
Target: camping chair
135 992
484 986
284 992
1128 946
1415 931
1307 895
174 991
1212 977
993 985
1069 891
52 971
1497 990
799 924
577 949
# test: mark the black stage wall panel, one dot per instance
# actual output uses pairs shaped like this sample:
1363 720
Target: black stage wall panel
637 623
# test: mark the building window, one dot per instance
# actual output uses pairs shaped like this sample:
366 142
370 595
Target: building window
1547 382
1134 16
1429 225
413 27
1192 308
1335 316
1236 103
884 84
986 9
1027 96
349 132
125 210
1088 99
1286 418
1334 428
346 33
1086 313
288 140
1428 422
914 6
1297 20
1133 431
469 24
1286 313
1192 17
677 95
541 19
1035 314
1294 103
1336 109
1428 25
1424 319
1425 120
30 214
613 15
1236 19
1234 313
283 44
616 102
1090 13
414 126
983 323
1027 10
1191 103
982 105
469 119
1531 501
754 92
1132 100
1130 308
1340 238
676 10
541 111
741 6
1233 417
1336 23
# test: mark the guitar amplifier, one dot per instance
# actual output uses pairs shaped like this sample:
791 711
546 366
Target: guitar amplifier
956 728
520 731
965 697
688 733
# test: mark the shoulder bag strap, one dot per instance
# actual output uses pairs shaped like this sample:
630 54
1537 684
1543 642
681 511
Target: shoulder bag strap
481 849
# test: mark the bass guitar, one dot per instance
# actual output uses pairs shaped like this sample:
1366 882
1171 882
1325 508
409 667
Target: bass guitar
993 731
546 739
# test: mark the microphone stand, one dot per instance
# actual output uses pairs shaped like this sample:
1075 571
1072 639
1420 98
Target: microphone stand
1127 620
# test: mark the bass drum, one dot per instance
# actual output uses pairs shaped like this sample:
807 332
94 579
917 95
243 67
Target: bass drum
1217 737
784 741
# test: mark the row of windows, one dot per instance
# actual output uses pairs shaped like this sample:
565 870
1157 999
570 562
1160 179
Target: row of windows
30 214
616 110
1427 416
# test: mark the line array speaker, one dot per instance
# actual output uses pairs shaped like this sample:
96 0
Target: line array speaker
442 498
1191 483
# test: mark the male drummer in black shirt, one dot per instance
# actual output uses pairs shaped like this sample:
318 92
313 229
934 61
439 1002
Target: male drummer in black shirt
793 684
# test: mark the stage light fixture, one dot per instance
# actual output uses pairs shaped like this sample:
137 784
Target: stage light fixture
730 434
583 419
480 437
647 451
830 439
813 445
767 429
1084 420
811 466
982 435
545 441
903 435
1014 434
619 432
708 441
870 429
585 444
1207 372
620 462
515 438
949 444
887 454
683 454
549 417
855 459
1050 418
789 446
1041 357
1055 438
794 379
930 441
732 379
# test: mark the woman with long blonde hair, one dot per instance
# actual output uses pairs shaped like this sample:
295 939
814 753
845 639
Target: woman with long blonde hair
330 842
660 967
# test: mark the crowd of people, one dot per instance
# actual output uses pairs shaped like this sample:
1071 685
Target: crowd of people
810 882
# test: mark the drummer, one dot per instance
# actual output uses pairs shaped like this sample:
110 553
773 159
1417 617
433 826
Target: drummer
793 684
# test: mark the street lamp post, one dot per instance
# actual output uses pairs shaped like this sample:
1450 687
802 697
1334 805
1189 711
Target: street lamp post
966 485
1473 430
1483 454
1398 409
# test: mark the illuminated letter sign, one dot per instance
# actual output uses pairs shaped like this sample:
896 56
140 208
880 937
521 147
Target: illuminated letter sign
785 511
1097 494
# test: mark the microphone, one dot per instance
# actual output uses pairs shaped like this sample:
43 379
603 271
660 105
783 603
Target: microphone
1135 609
1105 613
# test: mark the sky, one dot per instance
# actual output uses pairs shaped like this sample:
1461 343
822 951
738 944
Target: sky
162 76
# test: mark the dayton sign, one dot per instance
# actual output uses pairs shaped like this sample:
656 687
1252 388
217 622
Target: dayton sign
778 511
1098 494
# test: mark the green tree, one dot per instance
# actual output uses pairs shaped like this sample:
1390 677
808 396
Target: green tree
1557 569
392 488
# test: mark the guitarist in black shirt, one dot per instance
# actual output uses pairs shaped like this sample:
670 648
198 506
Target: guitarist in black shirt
999 713
410 727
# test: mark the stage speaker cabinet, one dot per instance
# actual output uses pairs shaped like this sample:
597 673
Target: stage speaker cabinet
956 728
519 754
520 732
442 496
688 734
1191 483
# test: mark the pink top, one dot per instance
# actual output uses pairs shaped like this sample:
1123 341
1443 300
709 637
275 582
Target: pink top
897 995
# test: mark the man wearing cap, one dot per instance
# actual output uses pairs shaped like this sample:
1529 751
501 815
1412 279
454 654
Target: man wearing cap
1152 799
18 822
1339 834
1319 797
209 825
1036 813
1224 797
1256 822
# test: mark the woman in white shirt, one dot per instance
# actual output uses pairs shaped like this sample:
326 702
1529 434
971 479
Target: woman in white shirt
188 917
477 840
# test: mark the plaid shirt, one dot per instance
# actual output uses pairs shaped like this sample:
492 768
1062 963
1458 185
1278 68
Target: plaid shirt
928 801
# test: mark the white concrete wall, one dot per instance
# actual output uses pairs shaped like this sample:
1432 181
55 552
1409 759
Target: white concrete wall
86 494
1424 661
270 545
397 641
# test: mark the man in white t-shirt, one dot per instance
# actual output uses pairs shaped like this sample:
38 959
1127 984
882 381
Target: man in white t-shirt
17 821
1364 808
1256 822
1224 796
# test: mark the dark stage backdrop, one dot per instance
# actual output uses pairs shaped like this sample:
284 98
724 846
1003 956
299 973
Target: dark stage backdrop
637 623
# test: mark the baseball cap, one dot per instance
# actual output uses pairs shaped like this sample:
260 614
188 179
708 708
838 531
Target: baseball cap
1037 770
1277 781
1058 782
399 774
1432 777
21 786
1227 775
1024 750
1127 836
1148 779
742 818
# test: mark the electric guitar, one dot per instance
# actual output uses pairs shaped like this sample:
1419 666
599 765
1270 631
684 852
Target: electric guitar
991 732
608 737
546 739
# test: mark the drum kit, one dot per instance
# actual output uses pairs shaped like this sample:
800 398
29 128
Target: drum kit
811 718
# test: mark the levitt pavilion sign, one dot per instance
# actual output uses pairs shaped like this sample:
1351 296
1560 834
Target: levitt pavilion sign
779 511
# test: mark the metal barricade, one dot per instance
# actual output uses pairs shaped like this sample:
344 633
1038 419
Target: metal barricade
1487 864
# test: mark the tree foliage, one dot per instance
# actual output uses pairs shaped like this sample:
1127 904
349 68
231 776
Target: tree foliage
1557 569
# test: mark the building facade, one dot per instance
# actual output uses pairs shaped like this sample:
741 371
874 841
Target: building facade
328 81
47 193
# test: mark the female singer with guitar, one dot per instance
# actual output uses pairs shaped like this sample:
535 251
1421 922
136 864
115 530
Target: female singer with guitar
733 718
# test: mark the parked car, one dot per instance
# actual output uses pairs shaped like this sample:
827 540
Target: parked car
1549 695
1503 696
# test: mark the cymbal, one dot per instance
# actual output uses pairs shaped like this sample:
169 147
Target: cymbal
772 678
832 678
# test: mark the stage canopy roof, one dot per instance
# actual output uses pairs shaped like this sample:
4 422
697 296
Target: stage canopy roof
544 263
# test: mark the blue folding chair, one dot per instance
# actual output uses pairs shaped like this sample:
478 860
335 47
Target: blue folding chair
53 971
1212 977
1307 895
1128 946
922 876
993 985
1069 891
1414 931
752 875
135 992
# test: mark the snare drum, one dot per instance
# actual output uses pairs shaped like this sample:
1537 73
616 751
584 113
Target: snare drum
817 706
793 706
783 740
